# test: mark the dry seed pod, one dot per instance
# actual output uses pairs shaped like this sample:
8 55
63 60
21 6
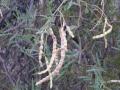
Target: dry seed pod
41 49
1 15
106 32
61 61
69 31
54 52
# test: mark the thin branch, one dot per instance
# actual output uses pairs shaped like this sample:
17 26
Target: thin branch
14 27
6 71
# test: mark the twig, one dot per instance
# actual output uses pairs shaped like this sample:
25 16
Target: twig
14 27
31 5
6 71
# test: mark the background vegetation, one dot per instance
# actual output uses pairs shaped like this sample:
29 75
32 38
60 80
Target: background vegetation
81 37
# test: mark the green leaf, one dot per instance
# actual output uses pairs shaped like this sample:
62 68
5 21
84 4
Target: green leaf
86 10
69 5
